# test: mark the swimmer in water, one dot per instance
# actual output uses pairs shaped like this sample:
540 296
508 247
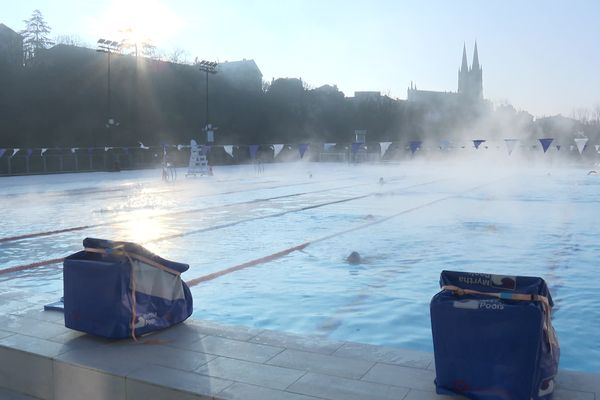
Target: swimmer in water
354 258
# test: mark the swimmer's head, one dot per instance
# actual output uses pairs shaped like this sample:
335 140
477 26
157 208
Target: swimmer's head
354 258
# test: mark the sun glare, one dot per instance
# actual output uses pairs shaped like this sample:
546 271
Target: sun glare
139 22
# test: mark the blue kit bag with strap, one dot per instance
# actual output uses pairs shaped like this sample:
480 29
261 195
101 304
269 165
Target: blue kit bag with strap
493 338
119 289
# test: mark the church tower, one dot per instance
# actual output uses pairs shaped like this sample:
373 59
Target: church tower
470 80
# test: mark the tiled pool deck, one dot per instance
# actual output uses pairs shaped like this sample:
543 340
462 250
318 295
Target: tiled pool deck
41 359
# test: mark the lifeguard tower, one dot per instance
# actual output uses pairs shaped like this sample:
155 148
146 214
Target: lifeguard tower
198 162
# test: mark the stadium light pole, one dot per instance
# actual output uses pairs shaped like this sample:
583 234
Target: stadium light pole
208 67
108 47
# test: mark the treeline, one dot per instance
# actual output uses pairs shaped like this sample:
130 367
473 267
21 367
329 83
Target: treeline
61 99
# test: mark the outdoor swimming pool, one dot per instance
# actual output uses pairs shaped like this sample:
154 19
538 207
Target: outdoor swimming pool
539 222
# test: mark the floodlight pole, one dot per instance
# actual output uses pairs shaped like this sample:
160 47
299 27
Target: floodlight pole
108 47
209 68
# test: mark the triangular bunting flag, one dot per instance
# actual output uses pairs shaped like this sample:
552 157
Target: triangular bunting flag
179 147
43 151
15 151
29 151
580 142
277 149
355 147
206 148
228 149
558 147
253 150
143 147
510 145
109 148
596 146
414 146
73 149
545 143
384 147
302 149
2 151
477 143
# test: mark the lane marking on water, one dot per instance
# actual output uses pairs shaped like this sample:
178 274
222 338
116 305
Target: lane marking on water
226 225
84 227
302 246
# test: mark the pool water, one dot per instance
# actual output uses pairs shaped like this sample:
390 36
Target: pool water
535 221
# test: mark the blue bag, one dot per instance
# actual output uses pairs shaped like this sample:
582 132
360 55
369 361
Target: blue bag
120 289
493 338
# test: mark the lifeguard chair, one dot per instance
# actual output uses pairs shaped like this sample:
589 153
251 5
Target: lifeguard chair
198 162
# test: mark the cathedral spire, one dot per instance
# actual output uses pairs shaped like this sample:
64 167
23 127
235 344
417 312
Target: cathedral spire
475 65
465 66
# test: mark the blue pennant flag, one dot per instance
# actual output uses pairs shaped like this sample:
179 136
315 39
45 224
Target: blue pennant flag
545 143
2 151
355 147
477 143
90 150
29 151
253 150
414 146
302 148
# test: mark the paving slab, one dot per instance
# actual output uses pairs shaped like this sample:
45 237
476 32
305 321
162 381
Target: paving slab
322 363
6 394
183 381
397 375
409 358
579 381
26 373
244 371
336 388
242 391
236 349
227 331
30 326
76 383
313 344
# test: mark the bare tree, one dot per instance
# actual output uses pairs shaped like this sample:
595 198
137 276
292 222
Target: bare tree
582 115
70 40
178 56
596 114
35 36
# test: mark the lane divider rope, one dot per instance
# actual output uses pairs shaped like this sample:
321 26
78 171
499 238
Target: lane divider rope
226 225
282 253
84 227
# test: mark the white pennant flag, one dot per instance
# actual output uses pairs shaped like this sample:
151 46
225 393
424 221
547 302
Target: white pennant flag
15 151
228 149
510 145
74 149
384 147
107 148
580 142
43 151
597 148
179 147
328 146
277 148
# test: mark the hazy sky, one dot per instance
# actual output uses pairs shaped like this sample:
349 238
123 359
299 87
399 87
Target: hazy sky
540 56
